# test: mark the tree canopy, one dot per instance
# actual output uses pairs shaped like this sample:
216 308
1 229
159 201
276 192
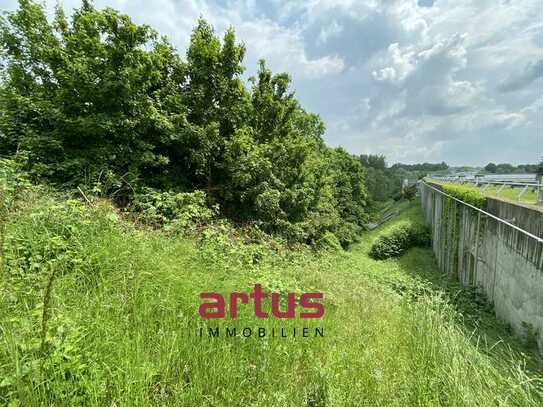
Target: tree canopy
96 99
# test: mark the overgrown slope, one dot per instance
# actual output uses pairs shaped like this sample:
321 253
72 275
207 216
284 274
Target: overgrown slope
120 320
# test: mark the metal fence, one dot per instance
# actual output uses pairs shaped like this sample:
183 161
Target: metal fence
481 250
523 182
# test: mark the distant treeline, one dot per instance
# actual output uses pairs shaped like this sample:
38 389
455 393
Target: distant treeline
505 168
384 182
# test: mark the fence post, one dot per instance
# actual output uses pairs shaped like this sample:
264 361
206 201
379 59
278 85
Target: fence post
540 188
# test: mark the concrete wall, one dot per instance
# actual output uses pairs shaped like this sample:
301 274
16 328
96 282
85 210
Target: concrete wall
506 264
523 216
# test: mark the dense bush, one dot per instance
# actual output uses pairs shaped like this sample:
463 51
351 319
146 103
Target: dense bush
466 193
181 210
410 192
118 325
399 239
13 182
100 102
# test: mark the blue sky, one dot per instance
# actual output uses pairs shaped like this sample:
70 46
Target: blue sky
417 80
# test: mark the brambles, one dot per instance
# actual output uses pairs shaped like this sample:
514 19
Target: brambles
397 240
173 210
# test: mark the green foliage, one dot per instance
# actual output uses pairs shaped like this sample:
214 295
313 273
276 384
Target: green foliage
539 169
410 192
466 193
399 239
423 169
384 183
122 326
329 241
13 183
374 161
506 168
92 94
491 167
100 102
174 210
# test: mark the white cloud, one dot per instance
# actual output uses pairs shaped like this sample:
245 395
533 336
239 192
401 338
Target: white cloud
402 63
455 80
284 50
332 30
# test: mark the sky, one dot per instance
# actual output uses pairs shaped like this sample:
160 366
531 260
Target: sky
416 80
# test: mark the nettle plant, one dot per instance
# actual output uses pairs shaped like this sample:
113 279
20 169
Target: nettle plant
173 210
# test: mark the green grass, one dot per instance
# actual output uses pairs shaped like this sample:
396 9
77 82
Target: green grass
122 321
529 197
507 193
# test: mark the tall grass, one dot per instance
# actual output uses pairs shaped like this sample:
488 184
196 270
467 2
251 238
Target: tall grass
121 322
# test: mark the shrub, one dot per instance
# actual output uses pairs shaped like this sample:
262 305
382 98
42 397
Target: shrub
399 239
174 210
13 183
410 192
146 117
329 241
469 194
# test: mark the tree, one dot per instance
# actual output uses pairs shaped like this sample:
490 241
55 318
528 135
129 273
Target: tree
93 98
539 169
99 99
505 168
491 167
373 161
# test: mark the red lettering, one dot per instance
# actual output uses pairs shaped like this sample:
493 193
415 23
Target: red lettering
291 305
217 305
234 303
258 296
306 303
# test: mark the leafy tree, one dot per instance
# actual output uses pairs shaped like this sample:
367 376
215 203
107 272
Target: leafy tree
93 97
216 100
383 183
539 169
373 161
505 169
423 168
491 167
99 100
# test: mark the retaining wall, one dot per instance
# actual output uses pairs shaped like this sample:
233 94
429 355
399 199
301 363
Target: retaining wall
523 216
482 251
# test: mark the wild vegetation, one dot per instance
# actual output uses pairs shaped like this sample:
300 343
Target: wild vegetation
97 102
466 193
399 239
384 182
95 310
476 195
506 168
132 180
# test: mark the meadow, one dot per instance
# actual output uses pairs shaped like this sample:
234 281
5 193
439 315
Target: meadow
511 194
95 310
